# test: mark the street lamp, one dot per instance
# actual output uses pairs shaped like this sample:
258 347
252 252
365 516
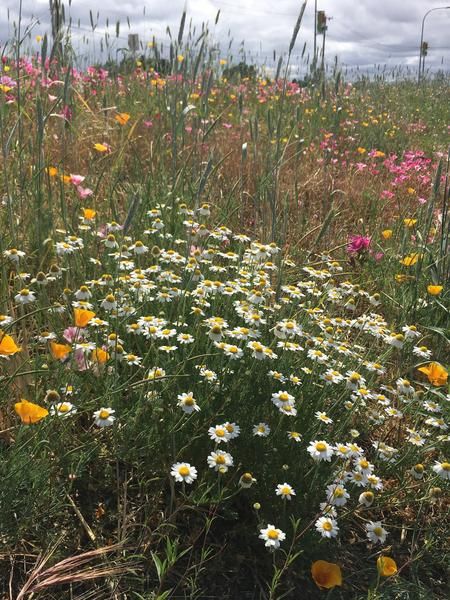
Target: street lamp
421 36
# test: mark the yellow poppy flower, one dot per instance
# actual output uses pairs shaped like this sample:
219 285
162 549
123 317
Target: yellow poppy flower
30 413
101 147
326 575
386 566
8 346
409 222
411 259
402 278
436 373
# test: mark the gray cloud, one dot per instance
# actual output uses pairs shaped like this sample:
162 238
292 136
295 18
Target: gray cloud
362 33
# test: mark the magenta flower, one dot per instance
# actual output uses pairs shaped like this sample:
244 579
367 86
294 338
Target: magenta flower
358 243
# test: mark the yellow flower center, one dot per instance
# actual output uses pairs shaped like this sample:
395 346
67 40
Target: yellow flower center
183 471
104 414
220 460
272 534
327 526
321 447
64 407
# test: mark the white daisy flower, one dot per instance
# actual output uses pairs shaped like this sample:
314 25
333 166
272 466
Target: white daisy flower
183 472
327 527
375 532
442 469
220 461
185 338
323 417
63 409
422 352
246 480
337 495
366 499
285 490
219 433
418 471
104 417
280 398
25 296
233 430
410 331
188 403
272 536
320 450
294 435
261 430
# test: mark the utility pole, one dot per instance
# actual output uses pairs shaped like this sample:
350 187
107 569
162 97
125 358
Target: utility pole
315 35
421 47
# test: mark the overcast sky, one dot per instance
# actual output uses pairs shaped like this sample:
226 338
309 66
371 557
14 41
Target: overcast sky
360 32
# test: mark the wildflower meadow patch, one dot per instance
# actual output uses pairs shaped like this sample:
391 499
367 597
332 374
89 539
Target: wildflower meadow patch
224 332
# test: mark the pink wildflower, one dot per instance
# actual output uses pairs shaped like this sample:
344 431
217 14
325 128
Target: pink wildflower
358 243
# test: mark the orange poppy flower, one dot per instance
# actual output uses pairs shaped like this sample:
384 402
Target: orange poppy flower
326 575
434 290
386 566
99 355
60 351
88 213
30 413
52 171
8 346
122 118
82 316
435 372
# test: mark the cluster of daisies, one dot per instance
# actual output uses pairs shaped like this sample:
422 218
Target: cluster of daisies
187 290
